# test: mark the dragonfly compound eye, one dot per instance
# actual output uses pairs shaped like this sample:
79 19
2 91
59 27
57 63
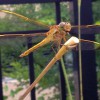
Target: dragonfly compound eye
62 24
67 27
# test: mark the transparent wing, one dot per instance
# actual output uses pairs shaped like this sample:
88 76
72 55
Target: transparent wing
89 45
21 35
12 22
25 18
86 29
86 26
20 39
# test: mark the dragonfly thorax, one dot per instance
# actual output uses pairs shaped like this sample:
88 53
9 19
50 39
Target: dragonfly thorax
65 26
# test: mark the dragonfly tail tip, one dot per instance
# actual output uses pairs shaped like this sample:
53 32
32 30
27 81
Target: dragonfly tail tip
21 56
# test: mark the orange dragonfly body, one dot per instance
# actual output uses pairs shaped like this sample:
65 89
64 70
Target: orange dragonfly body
56 34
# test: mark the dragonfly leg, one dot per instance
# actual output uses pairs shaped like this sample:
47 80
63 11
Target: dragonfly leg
52 46
64 39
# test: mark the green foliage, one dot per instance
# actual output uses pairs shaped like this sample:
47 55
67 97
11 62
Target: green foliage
98 56
5 88
5 97
19 71
96 17
12 48
14 92
96 12
41 98
65 14
50 79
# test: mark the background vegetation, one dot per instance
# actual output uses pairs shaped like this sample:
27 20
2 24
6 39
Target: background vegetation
11 48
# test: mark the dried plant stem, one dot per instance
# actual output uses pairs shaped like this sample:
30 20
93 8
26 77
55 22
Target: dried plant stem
38 78
61 52
80 55
66 80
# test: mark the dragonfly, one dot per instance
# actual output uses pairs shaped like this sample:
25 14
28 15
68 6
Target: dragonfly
56 34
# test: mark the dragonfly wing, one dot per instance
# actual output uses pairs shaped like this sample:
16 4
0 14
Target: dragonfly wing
89 45
86 26
22 35
25 18
86 29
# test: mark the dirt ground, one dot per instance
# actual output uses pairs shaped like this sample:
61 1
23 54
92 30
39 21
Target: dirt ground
46 94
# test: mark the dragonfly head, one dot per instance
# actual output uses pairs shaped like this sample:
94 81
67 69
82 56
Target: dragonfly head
65 26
